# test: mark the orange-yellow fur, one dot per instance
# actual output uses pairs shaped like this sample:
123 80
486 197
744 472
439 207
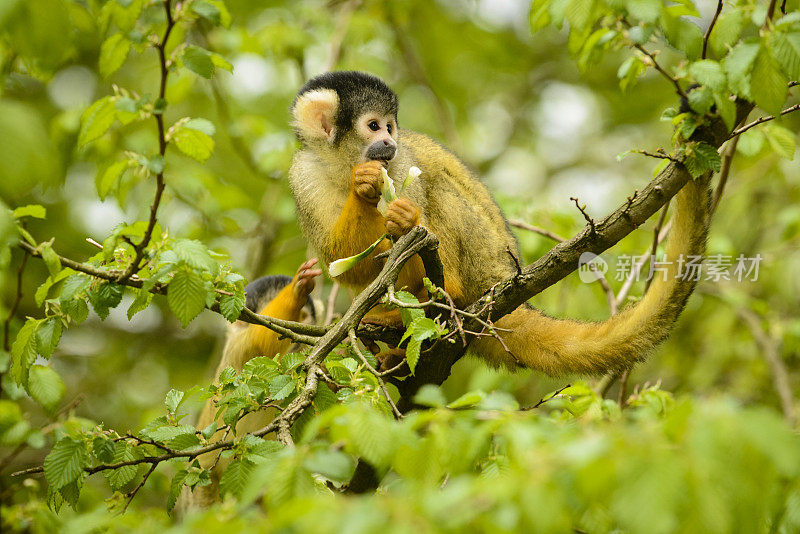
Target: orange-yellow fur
245 341
476 247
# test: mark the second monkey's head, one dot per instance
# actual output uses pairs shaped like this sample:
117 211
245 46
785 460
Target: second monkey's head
347 113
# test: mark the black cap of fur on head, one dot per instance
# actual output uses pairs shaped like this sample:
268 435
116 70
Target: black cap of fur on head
262 290
358 92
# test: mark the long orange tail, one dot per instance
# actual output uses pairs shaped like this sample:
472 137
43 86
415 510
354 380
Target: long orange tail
559 346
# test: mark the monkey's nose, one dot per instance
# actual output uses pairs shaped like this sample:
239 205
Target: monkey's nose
383 150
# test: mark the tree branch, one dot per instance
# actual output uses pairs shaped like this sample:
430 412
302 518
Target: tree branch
711 27
762 120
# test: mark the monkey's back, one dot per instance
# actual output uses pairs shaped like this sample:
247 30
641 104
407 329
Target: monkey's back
474 236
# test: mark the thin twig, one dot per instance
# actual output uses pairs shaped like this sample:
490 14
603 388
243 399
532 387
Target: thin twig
375 372
762 120
14 306
660 69
546 399
331 306
339 33
724 171
536 229
138 250
582 209
711 27
135 490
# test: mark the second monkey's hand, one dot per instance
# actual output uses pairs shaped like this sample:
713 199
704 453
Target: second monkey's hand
303 281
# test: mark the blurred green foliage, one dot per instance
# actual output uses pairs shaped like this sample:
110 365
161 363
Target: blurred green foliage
540 116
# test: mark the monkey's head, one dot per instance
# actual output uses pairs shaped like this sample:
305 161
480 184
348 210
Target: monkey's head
261 291
347 113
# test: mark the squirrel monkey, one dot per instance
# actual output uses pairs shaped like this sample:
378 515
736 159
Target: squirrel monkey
276 296
346 123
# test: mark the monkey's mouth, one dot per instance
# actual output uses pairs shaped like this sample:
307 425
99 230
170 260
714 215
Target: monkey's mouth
381 151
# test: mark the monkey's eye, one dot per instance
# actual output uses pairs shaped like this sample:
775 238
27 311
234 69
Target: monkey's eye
374 126
389 129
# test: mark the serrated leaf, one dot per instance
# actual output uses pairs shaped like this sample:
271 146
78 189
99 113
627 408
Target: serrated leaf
646 10
709 73
175 489
281 387
221 63
726 109
782 140
48 335
201 125
751 142
235 477
207 10
96 120
726 31
77 309
702 158
117 478
113 52
579 13
198 60
231 306
45 387
103 449
194 143
770 91
181 442
786 49
700 100
412 353
24 351
31 210
106 296
196 255
173 400
186 295
65 463
682 34
738 65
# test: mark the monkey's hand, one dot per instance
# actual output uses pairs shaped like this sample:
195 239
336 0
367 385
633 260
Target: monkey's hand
401 216
367 181
303 281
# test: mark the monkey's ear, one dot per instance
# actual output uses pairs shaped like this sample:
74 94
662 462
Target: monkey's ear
315 114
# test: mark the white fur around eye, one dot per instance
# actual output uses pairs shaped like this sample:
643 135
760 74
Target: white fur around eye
315 114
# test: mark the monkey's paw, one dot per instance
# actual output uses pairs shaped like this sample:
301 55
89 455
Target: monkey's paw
304 279
401 216
368 180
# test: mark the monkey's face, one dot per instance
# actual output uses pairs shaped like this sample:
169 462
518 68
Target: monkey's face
378 134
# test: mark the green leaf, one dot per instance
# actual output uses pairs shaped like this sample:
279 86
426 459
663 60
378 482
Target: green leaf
786 49
751 142
196 255
31 210
630 71
186 295
700 100
738 65
141 302
726 31
96 120
579 13
175 489
113 52
48 336
235 477
45 387
173 400
412 353
726 109
770 91
332 464
181 442
50 259
194 143
709 73
782 140
107 295
24 350
117 478
221 63
646 10
108 179
430 395
409 314
683 35
467 399
281 387
701 158
198 60
231 306
103 449
65 462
